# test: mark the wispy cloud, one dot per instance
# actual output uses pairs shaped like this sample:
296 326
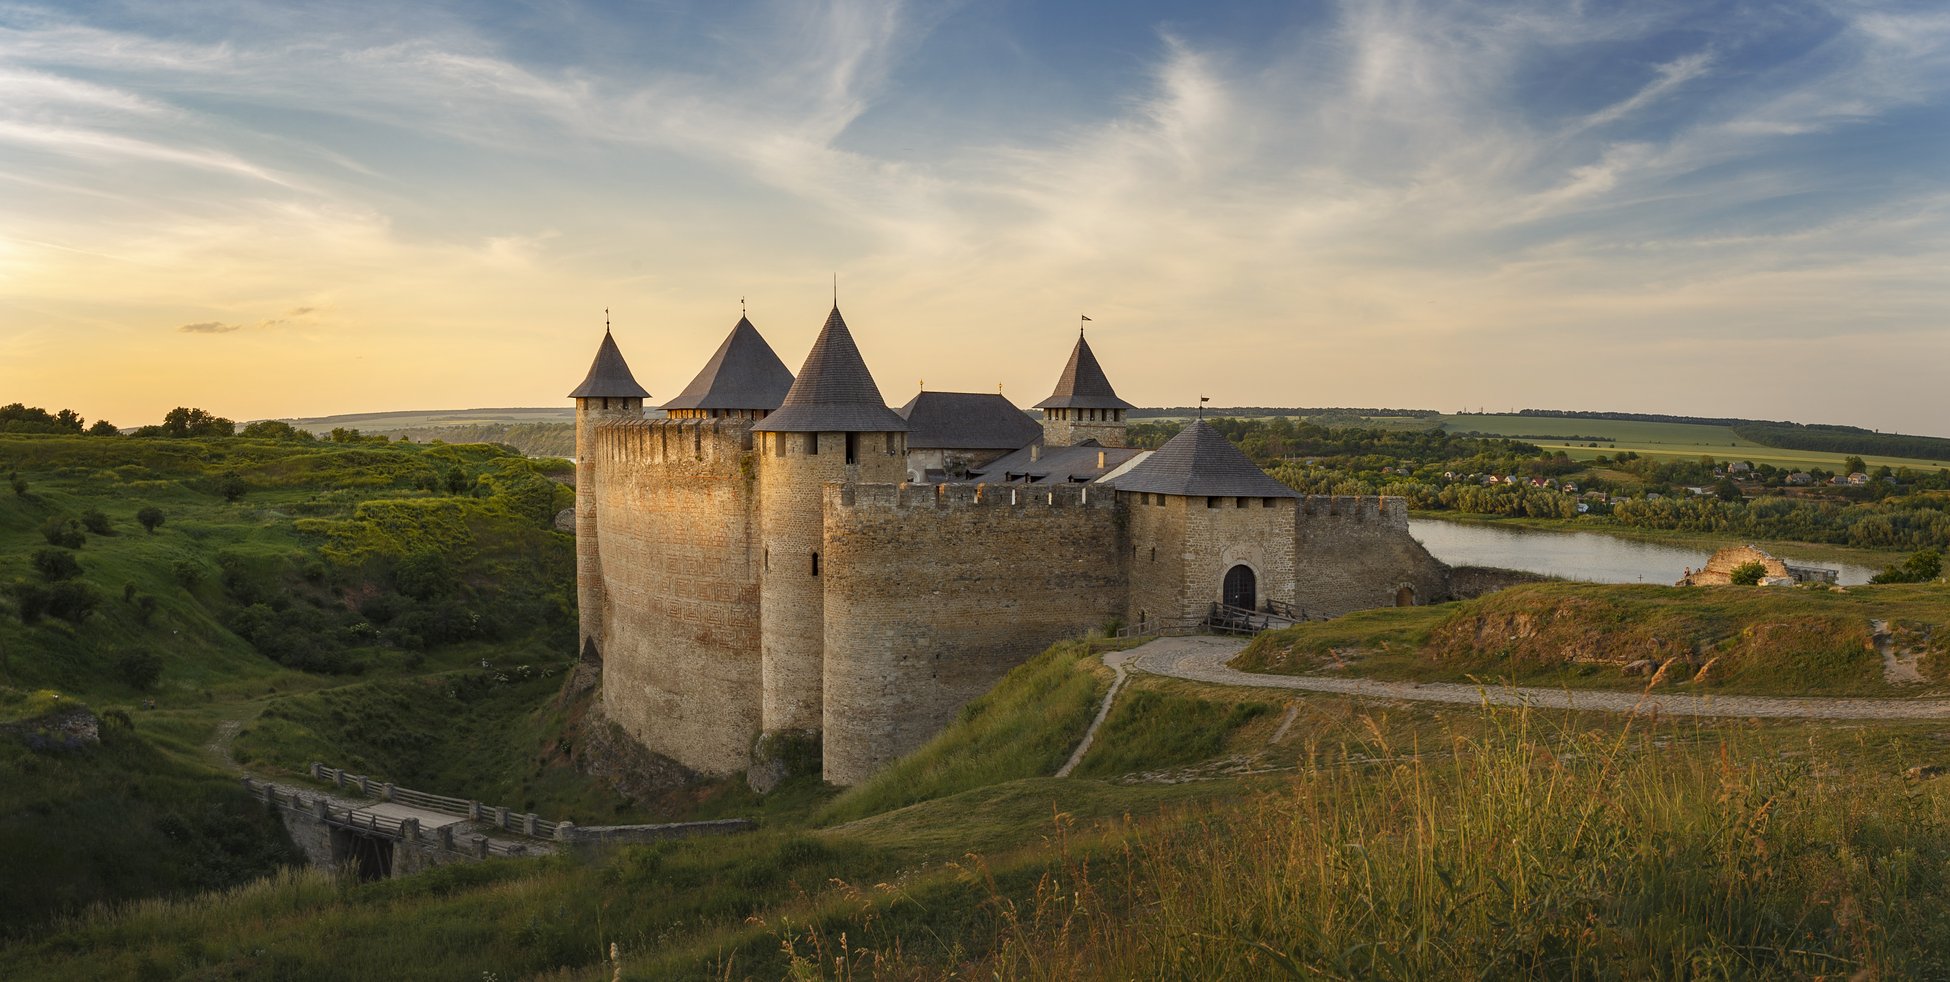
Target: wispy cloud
210 327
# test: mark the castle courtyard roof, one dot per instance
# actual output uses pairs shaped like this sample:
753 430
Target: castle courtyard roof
1080 464
745 373
966 421
1083 384
834 392
1200 461
609 375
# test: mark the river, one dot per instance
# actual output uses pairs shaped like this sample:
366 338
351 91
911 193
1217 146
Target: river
1590 556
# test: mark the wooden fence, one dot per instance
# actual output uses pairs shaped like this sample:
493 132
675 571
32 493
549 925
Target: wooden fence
323 810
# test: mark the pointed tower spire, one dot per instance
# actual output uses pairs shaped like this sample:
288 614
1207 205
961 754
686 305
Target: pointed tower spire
1083 384
834 392
609 375
745 376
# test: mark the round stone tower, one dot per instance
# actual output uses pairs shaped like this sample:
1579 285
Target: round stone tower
609 392
832 426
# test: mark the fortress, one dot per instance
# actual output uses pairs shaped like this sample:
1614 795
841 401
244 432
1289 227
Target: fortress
786 569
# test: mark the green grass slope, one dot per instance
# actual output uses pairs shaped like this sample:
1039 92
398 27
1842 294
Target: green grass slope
1754 640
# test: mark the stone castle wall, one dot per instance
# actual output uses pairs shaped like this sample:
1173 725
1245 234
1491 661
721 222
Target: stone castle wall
1354 553
934 593
1718 570
676 513
792 610
1157 559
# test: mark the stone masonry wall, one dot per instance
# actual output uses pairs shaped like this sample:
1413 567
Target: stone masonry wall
1254 532
677 516
1157 558
792 611
1354 553
1718 570
934 593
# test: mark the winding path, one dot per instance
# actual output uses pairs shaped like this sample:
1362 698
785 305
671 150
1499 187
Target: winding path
1203 659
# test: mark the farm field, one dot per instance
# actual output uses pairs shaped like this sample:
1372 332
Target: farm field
415 418
1650 439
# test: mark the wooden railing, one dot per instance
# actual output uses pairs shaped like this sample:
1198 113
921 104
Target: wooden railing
323 810
1239 620
520 823
1159 626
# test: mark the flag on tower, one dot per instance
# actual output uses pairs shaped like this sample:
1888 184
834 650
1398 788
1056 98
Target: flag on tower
1086 316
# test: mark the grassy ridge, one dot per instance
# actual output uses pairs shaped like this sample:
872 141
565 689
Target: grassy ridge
1763 641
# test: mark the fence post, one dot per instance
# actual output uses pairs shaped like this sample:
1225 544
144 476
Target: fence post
338 777
321 808
365 785
564 831
317 769
501 816
473 811
481 846
387 790
528 823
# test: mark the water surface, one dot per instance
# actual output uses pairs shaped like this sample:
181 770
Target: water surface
1589 556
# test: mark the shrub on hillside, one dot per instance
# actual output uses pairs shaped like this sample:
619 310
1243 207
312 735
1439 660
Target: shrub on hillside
72 600
1921 567
96 521
19 484
102 427
63 532
139 669
187 573
56 565
230 486
276 429
30 600
151 518
1748 574
145 609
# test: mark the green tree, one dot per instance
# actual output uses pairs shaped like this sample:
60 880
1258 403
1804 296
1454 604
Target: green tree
1748 574
63 532
30 600
1726 490
95 520
151 518
19 484
55 565
1921 567
187 422
102 427
275 429
231 486
72 600
1854 465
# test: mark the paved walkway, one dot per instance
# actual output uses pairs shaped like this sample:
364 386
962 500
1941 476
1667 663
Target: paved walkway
1203 659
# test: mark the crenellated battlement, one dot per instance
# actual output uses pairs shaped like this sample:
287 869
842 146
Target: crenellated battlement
956 497
627 441
1356 507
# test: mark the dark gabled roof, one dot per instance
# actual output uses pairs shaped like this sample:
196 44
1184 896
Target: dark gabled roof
1056 465
609 375
834 392
744 374
1083 384
966 421
1201 461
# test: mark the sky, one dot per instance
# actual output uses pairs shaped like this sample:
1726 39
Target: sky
273 209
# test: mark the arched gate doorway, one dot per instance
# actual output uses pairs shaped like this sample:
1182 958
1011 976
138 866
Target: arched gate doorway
1241 588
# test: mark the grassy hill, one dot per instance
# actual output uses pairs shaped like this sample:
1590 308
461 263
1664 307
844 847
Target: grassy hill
282 573
1660 439
1373 840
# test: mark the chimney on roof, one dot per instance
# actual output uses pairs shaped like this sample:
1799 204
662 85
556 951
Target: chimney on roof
1101 456
1035 452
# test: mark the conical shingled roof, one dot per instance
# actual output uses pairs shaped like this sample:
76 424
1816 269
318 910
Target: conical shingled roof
609 375
744 374
834 392
1083 384
1200 461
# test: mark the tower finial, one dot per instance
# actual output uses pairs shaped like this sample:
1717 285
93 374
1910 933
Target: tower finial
605 321
1080 322
741 306
836 291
